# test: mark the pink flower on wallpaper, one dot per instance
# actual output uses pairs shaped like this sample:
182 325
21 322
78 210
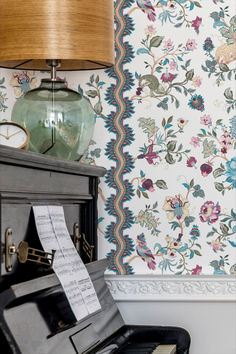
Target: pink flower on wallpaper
191 44
206 119
191 162
150 30
168 77
196 23
210 212
226 142
195 141
173 65
196 81
217 245
197 270
168 44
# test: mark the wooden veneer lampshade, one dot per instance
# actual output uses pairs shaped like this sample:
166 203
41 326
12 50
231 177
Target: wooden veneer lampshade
78 32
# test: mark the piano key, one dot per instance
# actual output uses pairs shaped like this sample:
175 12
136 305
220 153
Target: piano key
165 349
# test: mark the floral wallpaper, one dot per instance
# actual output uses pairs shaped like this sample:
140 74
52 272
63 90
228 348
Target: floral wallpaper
166 132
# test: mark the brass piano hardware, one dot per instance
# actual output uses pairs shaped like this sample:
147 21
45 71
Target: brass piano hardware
61 324
88 249
78 239
25 253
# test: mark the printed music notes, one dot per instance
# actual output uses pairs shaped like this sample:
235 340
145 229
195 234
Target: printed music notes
68 266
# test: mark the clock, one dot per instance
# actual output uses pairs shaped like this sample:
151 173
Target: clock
13 134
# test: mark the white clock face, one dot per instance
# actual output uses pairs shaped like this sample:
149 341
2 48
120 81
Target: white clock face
13 135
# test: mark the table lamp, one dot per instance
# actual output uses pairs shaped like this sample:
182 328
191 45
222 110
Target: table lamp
60 35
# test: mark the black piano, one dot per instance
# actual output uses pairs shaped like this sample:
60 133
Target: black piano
35 316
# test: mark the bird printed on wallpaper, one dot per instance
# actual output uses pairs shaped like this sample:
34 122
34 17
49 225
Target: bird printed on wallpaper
144 252
147 8
150 155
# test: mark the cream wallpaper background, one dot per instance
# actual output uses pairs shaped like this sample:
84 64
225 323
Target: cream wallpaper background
166 132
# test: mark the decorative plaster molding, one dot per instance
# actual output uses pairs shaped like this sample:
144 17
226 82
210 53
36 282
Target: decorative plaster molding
171 288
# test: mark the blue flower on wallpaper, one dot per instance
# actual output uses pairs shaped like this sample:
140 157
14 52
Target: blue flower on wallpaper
197 102
231 171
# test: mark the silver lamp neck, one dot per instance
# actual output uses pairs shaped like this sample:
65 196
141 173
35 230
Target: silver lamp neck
53 64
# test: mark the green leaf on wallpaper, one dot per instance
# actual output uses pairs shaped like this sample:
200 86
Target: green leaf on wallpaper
160 183
138 193
224 229
97 79
169 158
176 103
209 148
178 24
211 233
142 51
218 172
174 225
191 254
170 119
145 195
233 214
185 91
163 104
179 266
187 63
188 220
197 252
219 186
223 67
228 93
146 219
229 75
2 82
148 125
196 3
155 205
92 78
198 192
191 183
180 147
156 41
91 93
98 108
178 88
171 145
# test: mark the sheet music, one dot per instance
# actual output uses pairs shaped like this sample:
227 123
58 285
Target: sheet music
68 266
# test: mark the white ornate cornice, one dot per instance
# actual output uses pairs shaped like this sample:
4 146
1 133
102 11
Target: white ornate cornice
171 288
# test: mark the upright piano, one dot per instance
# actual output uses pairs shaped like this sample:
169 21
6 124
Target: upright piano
35 316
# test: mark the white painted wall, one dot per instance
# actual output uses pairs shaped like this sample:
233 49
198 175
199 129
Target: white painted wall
212 325
205 307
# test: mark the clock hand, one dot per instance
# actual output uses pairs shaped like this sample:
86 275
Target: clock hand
6 137
9 136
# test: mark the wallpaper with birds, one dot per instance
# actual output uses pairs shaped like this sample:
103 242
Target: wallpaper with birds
166 132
